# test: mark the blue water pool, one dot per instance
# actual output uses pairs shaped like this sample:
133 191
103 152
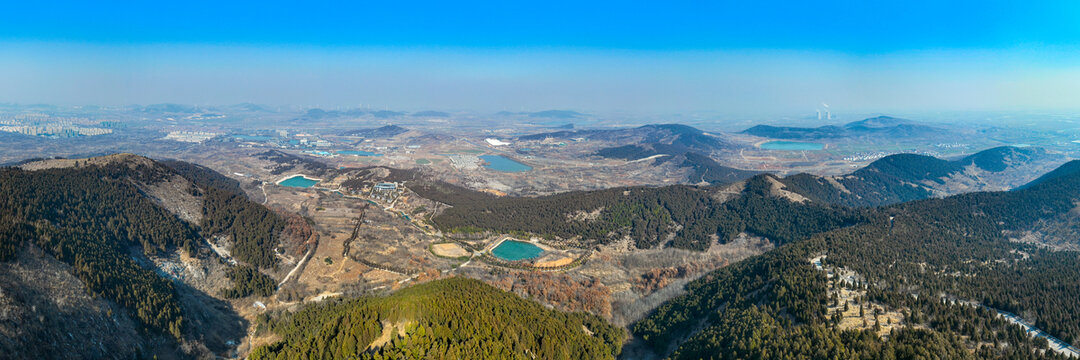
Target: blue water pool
513 250
299 181
792 146
504 164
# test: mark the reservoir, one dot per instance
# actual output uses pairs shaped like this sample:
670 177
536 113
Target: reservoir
513 250
792 146
504 164
299 181
358 153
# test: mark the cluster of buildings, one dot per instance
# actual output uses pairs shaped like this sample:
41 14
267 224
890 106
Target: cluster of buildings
880 154
56 130
386 191
191 136
284 141
464 161
44 125
36 118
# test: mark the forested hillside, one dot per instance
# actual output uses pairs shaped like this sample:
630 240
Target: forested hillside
87 217
906 177
916 258
454 318
705 169
890 180
254 229
98 216
691 217
687 217
203 176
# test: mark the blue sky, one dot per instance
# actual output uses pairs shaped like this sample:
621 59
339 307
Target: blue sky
726 56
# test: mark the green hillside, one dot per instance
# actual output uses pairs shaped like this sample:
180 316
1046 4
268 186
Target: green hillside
455 318
88 217
910 256
692 216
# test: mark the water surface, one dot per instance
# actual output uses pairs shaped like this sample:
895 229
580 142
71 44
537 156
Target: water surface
504 164
513 250
792 146
299 181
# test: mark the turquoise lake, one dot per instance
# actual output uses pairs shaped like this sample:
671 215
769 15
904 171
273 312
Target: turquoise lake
298 181
792 145
358 153
513 250
504 164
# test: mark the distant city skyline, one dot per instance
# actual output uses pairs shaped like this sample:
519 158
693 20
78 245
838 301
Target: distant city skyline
724 57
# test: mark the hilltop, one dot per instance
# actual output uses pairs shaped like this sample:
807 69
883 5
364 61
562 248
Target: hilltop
881 127
643 141
429 321
387 131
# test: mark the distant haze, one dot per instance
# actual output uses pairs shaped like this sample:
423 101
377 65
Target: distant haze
726 57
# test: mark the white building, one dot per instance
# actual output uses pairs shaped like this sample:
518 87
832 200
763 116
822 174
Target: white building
496 142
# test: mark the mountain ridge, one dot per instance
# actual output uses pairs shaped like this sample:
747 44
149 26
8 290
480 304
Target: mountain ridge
905 177
880 126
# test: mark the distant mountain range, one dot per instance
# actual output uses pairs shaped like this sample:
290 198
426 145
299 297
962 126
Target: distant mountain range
881 126
644 141
906 177
686 145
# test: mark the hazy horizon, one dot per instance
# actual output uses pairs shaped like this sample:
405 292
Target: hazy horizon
724 58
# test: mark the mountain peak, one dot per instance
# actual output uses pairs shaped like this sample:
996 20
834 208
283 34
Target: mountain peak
879 122
379 132
120 158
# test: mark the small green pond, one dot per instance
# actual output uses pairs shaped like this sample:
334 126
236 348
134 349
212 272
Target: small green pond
792 146
299 181
513 250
